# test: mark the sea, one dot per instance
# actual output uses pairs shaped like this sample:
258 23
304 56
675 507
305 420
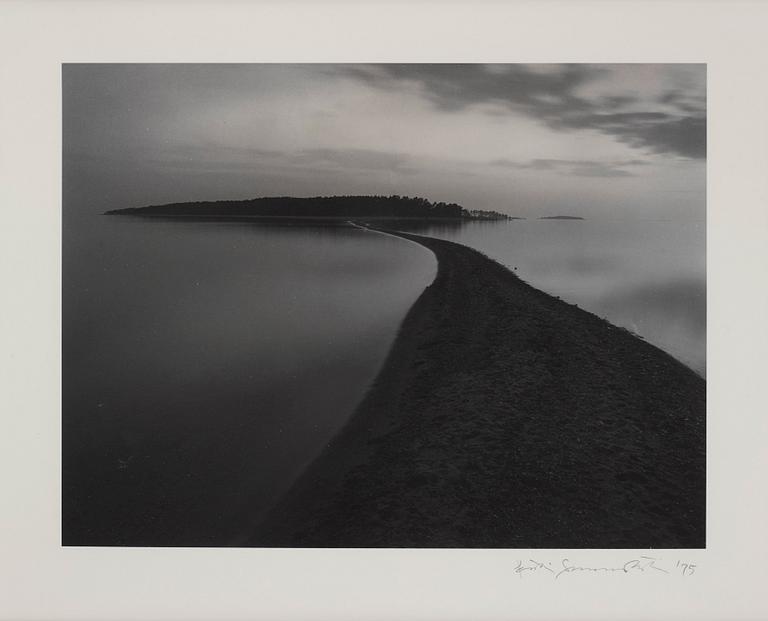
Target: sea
206 364
648 276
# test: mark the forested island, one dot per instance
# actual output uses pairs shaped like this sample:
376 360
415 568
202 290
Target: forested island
317 207
502 417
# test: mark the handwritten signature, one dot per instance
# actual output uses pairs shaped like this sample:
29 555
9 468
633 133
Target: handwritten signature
641 564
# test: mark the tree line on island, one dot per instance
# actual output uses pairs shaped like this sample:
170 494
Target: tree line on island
393 206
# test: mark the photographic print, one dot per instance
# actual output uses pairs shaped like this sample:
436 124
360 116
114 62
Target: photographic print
384 306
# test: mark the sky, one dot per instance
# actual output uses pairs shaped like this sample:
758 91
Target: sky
625 141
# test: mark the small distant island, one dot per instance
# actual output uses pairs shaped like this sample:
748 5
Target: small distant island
394 206
613 449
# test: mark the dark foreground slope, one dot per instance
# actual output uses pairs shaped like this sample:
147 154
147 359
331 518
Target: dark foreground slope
504 417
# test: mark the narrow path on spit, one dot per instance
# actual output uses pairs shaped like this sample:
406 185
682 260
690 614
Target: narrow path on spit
504 417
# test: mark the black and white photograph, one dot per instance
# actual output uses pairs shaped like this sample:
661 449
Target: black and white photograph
383 311
390 305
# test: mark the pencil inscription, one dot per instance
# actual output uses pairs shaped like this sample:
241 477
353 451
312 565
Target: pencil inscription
640 565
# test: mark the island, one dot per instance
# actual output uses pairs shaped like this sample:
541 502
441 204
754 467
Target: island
561 218
395 206
502 417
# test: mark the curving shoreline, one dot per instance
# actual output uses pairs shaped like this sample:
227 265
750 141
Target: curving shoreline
504 417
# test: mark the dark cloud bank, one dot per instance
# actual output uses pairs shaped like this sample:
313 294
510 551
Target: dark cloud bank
551 97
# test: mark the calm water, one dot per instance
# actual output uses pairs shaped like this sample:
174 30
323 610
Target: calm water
648 276
205 364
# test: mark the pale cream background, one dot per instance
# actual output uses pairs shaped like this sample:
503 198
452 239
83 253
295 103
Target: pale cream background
41 580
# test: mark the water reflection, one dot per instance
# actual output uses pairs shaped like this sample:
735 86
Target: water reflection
646 275
205 364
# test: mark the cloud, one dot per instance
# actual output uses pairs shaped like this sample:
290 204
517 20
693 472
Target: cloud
577 168
655 132
686 101
673 124
241 159
367 159
457 86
